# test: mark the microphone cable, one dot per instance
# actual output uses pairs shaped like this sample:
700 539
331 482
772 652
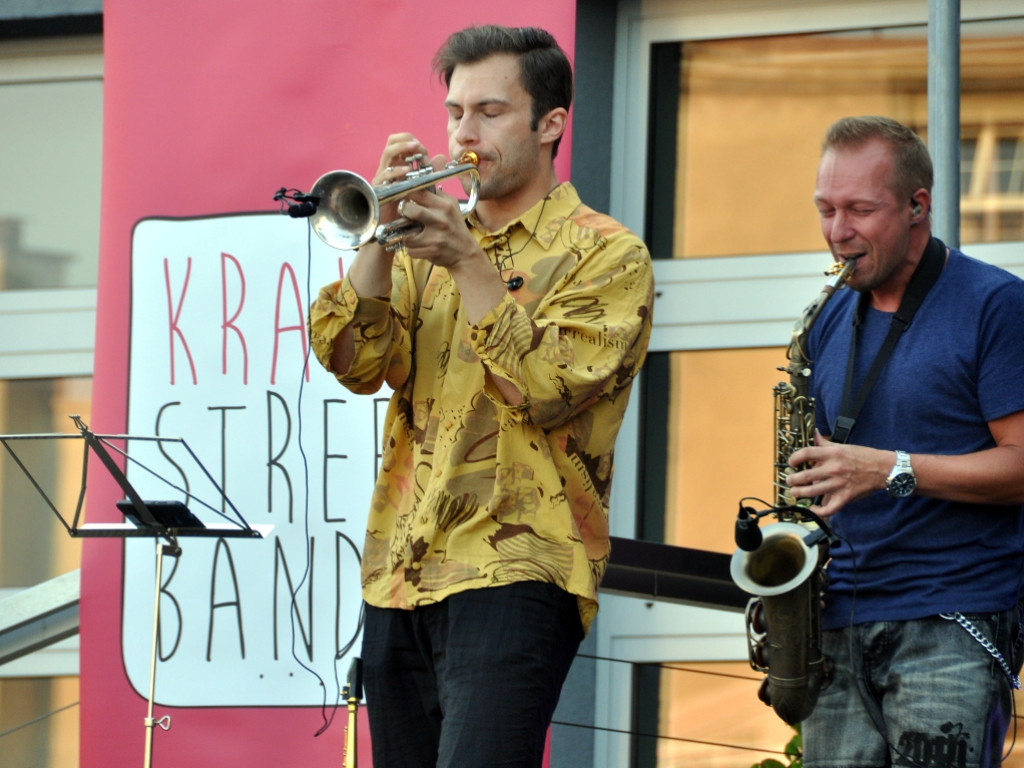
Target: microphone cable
327 710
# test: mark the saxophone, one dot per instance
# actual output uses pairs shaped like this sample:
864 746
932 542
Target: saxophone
784 567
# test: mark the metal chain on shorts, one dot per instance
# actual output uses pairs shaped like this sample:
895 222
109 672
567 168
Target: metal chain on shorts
976 633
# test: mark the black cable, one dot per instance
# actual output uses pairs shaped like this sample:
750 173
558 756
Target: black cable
681 739
669 666
324 706
39 719
553 722
604 729
327 710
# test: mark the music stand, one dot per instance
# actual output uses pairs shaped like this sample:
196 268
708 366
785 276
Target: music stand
162 521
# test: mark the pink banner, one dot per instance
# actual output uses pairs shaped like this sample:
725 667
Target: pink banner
209 109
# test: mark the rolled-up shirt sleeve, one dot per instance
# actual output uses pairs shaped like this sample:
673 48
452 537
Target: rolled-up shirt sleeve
381 338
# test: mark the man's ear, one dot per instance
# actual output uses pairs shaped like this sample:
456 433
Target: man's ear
920 203
552 125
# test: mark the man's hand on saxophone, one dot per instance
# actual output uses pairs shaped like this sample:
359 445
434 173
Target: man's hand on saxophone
837 474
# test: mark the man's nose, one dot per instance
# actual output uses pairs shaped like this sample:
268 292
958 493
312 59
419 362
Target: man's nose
464 133
841 229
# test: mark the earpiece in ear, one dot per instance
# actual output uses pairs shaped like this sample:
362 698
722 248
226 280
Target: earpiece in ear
917 209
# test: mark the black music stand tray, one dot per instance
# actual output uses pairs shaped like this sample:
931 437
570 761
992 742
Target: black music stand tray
162 521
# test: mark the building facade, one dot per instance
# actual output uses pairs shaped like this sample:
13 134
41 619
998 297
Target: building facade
698 125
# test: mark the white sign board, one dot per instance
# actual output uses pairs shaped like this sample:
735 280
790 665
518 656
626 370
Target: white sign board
220 358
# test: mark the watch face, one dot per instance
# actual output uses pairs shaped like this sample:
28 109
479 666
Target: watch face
902 485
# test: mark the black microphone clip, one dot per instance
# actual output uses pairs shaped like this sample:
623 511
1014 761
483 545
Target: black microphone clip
297 204
748 535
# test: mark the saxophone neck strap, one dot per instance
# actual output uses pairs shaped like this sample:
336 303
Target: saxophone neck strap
927 272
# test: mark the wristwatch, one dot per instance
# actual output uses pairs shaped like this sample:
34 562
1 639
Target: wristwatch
901 481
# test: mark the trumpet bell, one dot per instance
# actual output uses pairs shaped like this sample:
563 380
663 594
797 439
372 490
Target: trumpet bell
348 208
348 212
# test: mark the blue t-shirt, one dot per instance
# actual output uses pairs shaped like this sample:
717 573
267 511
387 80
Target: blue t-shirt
959 365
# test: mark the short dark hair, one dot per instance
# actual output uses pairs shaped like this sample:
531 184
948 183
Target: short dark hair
544 70
912 165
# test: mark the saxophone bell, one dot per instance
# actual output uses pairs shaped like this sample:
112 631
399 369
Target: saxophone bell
783 630
781 563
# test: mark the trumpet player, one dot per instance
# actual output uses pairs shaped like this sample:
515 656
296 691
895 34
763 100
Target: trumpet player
510 338
921 472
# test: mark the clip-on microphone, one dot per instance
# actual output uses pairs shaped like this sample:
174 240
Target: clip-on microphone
302 205
749 537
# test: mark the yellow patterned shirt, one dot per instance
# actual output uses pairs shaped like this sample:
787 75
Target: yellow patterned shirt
473 492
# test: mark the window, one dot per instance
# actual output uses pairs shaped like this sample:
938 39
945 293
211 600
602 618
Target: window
719 177
51 101
51 120
744 124
992 181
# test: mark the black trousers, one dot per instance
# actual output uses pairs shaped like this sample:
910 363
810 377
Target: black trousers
471 682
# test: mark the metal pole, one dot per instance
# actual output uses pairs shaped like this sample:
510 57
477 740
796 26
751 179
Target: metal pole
147 760
944 117
164 722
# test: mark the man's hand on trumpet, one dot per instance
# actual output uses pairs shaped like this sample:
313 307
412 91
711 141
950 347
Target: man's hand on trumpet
370 271
430 208
445 240
394 161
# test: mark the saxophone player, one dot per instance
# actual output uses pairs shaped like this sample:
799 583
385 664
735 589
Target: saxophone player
919 467
510 339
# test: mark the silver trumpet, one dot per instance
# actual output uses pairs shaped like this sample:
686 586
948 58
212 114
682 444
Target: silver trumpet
348 212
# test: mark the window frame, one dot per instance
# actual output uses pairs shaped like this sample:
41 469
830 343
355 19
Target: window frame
706 303
48 333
